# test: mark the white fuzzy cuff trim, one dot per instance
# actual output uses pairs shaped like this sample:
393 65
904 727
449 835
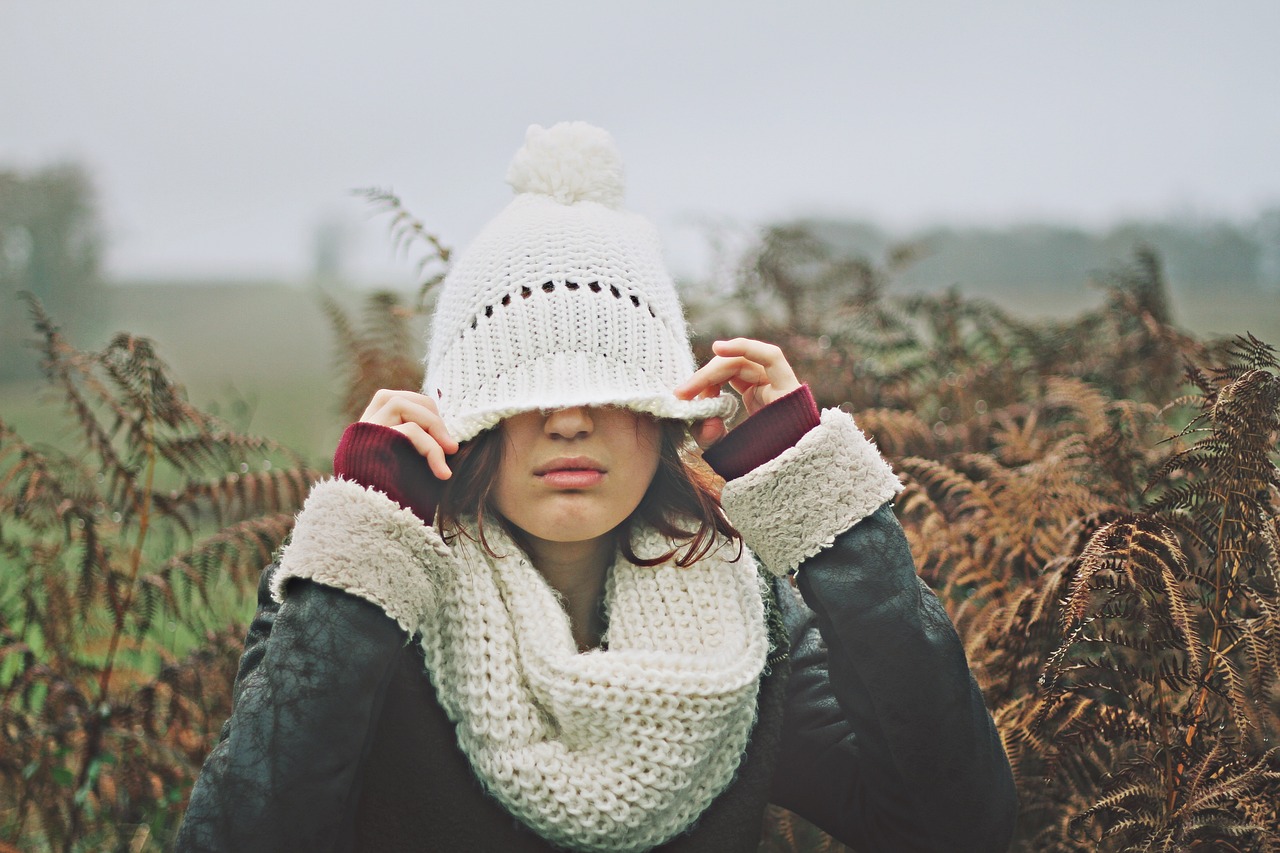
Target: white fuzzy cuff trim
359 540
797 503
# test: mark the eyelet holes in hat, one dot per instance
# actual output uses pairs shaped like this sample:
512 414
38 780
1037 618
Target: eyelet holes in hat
526 292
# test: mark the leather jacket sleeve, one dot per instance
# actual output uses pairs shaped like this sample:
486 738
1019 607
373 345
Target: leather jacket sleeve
887 744
284 775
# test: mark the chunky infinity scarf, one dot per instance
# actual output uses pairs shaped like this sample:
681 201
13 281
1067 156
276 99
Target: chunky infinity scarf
617 749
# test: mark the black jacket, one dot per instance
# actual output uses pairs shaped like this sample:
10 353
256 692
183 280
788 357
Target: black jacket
873 729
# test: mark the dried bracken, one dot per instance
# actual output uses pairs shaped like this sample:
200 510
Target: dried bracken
115 665
1096 500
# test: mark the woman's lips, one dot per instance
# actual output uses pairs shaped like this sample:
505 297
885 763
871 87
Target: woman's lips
570 473
572 478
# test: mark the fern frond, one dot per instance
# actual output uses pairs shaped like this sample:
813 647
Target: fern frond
407 231
234 497
381 353
238 551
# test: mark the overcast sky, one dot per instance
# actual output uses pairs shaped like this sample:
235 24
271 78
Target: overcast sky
221 135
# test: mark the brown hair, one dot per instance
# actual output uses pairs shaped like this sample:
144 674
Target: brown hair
682 502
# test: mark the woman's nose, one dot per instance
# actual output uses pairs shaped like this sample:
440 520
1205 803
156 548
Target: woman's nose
573 422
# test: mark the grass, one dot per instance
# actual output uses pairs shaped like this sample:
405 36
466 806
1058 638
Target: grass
1206 312
261 354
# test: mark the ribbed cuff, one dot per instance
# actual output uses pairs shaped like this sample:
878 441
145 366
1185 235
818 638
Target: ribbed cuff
381 458
764 435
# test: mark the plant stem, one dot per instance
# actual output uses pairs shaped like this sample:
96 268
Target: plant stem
1218 614
93 740
135 563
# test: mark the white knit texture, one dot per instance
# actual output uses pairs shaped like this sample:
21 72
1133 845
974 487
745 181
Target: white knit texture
570 162
361 541
561 300
608 750
793 506
620 748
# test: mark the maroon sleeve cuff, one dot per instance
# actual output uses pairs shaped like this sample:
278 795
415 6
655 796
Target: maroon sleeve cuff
764 435
381 458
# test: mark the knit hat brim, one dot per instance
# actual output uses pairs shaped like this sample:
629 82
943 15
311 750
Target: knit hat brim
519 391
563 299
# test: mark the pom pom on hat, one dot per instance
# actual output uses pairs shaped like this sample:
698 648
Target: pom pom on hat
570 162
562 299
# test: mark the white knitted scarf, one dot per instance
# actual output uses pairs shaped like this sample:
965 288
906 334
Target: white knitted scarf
617 749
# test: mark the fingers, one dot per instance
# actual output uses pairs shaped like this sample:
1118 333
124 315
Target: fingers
428 447
757 370
716 373
707 432
394 408
416 417
769 356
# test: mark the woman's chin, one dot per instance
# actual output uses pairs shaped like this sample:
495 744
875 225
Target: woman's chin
571 518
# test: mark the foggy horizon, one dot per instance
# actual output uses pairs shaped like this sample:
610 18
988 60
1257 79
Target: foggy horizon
221 141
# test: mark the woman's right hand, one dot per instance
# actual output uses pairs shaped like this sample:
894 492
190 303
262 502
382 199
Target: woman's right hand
417 418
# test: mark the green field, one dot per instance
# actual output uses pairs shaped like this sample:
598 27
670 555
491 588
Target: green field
263 357
262 354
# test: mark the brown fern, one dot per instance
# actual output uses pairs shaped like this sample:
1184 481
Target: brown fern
410 235
381 352
1171 621
105 549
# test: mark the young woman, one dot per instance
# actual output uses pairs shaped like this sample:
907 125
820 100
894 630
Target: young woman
522 618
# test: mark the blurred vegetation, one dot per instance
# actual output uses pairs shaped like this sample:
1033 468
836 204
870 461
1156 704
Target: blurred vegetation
126 567
1041 258
1096 500
1094 496
50 246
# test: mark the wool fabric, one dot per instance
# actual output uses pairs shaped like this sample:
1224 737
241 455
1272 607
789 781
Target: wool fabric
618 748
563 299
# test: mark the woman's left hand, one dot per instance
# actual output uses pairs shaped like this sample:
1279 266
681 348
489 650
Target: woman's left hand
757 370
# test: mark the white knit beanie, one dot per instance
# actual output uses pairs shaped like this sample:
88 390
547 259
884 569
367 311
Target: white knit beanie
562 300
